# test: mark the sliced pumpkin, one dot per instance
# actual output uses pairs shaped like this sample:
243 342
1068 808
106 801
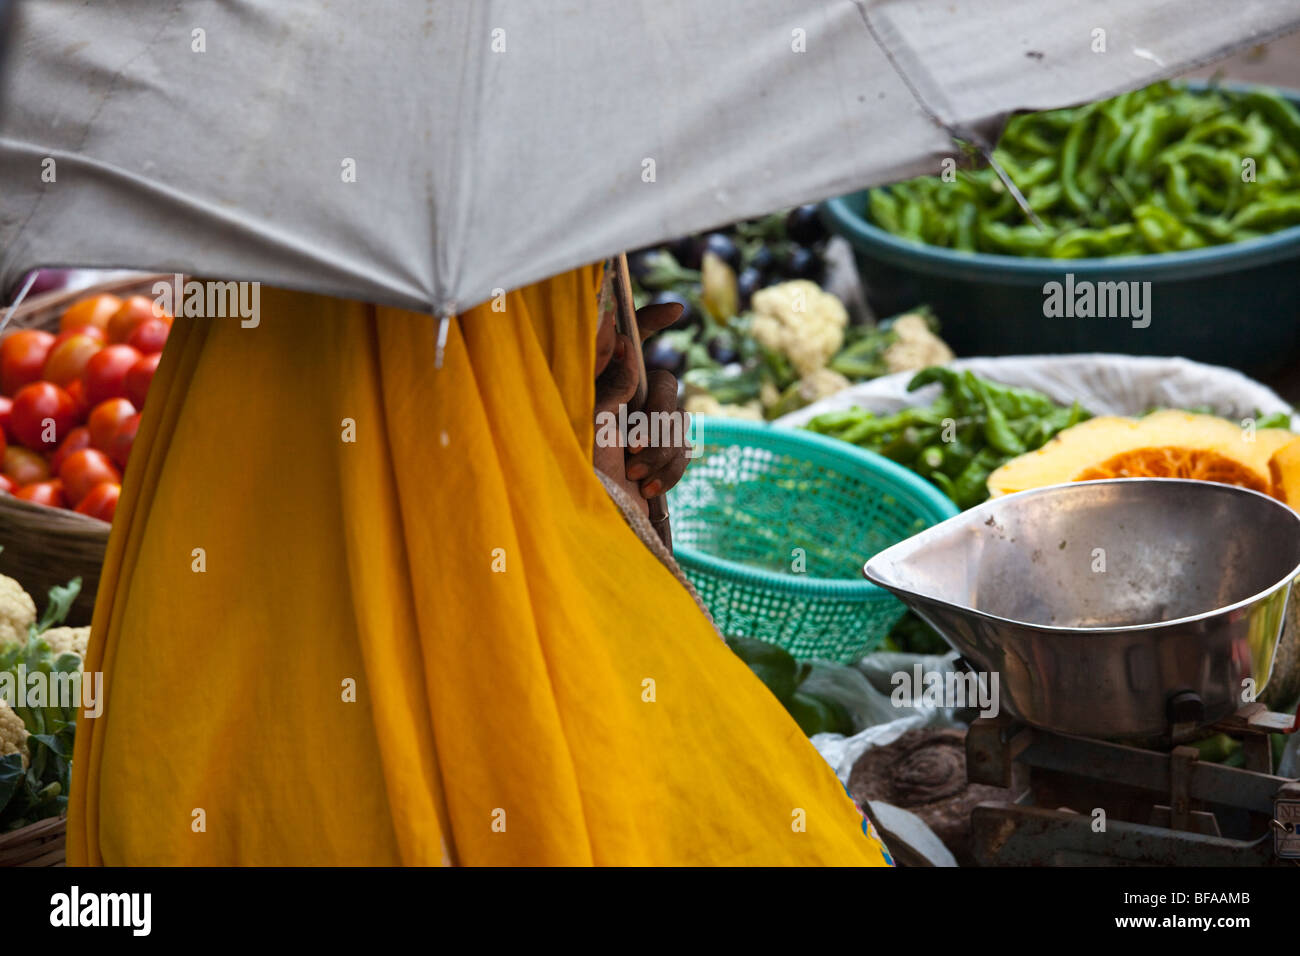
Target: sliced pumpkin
1284 468
1165 444
1199 463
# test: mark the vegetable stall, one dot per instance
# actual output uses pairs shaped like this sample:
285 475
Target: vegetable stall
775 331
1115 189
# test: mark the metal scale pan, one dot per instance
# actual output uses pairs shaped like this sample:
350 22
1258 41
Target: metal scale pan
1131 608
1146 611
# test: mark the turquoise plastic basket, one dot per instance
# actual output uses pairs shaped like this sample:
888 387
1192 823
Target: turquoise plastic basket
760 500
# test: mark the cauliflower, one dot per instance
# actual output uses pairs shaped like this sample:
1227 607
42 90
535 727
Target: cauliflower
915 347
805 391
802 321
13 735
817 385
705 404
17 611
68 640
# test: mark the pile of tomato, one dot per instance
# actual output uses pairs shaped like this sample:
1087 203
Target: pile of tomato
70 403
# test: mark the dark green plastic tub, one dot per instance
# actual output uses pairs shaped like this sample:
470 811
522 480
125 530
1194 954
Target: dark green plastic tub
1236 304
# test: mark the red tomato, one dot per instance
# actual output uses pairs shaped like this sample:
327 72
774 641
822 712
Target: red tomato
38 406
83 470
77 439
44 493
105 374
77 392
22 357
140 376
67 360
24 467
119 448
94 331
94 310
104 421
134 312
6 412
101 501
8 484
149 336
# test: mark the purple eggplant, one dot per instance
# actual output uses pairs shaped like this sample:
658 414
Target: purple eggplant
804 225
747 283
725 248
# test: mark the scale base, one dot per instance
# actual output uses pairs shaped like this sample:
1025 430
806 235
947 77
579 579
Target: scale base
1086 802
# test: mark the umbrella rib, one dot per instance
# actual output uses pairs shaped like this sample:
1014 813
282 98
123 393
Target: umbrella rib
13 307
444 323
469 108
954 132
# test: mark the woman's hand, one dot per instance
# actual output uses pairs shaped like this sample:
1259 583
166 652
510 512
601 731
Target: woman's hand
648 468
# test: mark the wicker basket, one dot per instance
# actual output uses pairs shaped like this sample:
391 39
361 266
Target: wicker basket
44 547
43 843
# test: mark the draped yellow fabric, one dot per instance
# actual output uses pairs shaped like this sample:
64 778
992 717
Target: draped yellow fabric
435 643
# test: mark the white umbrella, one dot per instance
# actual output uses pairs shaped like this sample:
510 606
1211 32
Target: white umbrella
426 154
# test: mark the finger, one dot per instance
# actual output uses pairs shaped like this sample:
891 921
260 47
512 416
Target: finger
661 396
605 337
651 318
660 391
659 482
648 463
617 384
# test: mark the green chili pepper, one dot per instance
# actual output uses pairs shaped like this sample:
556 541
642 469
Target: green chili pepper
966 220
1160 169
912 221
1178 190
1116 151
1280 113
1079 243
944 484
931 458
1039 171
1014 240
829 422
970 487
1069 168
1269 214
884 210
996 430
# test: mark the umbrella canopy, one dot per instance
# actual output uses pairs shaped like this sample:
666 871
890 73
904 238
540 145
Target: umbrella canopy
426 154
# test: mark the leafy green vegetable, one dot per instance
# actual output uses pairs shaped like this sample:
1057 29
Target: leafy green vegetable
1276 420
862 356
783 676
913 636
732 385
41 789
61 599
12 776
772 665
819 715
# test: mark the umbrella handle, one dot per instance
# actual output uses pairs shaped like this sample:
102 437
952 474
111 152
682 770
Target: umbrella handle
625 322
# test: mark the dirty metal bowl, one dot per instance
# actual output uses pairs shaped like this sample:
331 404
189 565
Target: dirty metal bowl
1124 608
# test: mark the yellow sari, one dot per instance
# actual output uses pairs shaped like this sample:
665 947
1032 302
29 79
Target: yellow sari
356 610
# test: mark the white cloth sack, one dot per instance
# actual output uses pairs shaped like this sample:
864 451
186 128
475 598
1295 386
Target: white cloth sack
1103 384
888 722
